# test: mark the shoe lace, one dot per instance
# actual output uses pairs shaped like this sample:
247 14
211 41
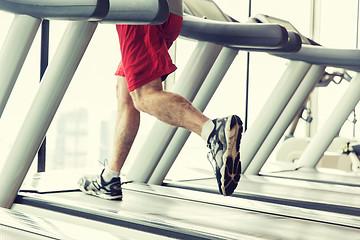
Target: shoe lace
104 162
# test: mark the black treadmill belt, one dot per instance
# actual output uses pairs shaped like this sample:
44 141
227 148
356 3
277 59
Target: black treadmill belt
317 196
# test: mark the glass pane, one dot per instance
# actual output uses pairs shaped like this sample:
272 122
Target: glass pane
338 29
266 70
338 24
296 12
88 107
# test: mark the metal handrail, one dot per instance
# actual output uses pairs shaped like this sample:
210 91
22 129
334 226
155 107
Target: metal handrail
117 11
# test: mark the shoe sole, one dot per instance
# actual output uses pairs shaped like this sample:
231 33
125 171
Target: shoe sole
231 169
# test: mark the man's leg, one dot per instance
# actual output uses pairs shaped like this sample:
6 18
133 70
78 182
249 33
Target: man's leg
126 128
222 135
168 107
107 185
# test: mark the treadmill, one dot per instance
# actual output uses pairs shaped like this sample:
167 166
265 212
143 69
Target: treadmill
322 56
313 189
183 213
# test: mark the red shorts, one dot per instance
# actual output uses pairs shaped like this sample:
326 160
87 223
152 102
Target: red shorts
144 51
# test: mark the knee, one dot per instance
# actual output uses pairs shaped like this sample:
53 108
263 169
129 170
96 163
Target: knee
139 101
143 96
143 99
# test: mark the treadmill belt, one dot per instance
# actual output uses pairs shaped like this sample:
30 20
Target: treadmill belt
309 195
196 215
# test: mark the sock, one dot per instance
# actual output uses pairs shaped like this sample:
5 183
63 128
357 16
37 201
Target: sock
207 130
109 174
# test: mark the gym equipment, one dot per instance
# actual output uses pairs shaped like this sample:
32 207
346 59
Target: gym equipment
171 212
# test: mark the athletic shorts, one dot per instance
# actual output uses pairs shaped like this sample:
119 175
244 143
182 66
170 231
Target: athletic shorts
144 51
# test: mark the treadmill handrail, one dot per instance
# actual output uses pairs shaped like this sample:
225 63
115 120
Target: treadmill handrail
137 12
344 58
233 34
114 11
293 45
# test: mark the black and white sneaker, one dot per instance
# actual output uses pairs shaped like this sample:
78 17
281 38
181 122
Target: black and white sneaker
224 144
96 186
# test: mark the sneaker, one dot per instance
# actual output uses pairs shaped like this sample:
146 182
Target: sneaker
95 185
224 156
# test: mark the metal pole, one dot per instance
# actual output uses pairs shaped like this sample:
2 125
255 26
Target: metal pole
192 77
207 90
44 60
13 53
283 91
247 87
51 91
332 126
299 97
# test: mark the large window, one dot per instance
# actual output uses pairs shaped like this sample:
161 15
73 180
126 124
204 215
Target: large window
80 132
338 29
